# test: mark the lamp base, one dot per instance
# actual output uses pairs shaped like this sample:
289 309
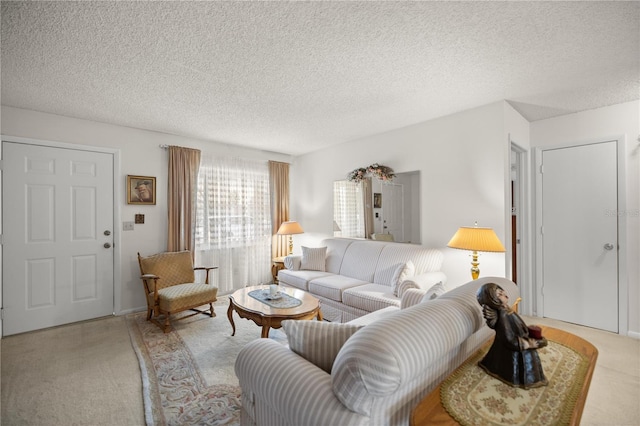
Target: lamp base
475 271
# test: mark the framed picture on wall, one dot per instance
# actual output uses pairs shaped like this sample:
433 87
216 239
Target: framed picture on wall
377 200
141 190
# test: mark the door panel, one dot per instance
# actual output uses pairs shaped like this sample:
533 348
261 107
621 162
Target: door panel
392 210
580 257
57 205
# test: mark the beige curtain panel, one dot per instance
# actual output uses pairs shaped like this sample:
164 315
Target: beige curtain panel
184 164
279 188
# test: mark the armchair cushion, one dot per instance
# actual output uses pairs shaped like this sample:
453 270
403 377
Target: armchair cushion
183 296
172 267
316 341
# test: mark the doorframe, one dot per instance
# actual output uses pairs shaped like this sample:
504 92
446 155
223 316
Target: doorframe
523 173
117 265
623 284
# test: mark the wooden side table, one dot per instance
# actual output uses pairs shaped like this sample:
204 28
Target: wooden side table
430 410
277 263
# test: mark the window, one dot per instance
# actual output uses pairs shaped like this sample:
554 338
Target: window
233 220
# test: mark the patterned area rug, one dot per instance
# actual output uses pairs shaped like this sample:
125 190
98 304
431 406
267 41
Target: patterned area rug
188 374
472 397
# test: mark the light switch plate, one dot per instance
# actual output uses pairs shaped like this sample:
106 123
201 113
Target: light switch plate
127 226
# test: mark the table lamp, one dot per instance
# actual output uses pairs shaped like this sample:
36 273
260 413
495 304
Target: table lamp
289 228
476 239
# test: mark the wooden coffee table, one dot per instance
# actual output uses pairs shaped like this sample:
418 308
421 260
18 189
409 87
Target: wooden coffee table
267 316
430 411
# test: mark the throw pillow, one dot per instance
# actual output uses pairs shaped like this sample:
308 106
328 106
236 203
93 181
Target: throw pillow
435 291
402 273
318 341
313 259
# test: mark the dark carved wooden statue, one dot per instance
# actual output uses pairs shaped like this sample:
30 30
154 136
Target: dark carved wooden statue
513 356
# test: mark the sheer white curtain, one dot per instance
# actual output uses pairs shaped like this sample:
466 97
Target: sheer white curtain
233 221
348 208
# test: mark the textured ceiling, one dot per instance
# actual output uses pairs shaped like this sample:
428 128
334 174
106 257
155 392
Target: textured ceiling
294 77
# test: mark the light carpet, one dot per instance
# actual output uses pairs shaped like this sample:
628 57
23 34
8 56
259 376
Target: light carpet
188 374
473 397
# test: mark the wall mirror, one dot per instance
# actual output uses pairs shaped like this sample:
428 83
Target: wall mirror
378 210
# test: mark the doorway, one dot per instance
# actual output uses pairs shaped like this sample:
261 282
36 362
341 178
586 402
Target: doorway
393 211
578 238
58 235
519 218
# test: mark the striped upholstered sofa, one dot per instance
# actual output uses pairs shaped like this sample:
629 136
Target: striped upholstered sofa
354 277
363 375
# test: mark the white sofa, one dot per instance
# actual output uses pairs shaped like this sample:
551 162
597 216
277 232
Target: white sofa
357 275
379 374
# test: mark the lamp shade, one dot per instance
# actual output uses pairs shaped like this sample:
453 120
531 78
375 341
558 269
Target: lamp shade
476 239
290 228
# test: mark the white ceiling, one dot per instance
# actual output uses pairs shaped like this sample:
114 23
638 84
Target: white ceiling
294 77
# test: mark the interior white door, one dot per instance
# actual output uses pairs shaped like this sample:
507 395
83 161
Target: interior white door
579 235
58 236
392 211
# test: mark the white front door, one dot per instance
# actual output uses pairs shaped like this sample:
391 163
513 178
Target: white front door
579 235
392 210
57 236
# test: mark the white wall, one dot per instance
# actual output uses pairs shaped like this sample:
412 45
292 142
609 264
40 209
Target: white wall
140 154
461 159
602 123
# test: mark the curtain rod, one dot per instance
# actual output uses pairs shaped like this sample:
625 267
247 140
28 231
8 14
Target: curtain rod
164 146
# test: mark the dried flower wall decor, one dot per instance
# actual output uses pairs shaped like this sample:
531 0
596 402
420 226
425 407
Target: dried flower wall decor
380 172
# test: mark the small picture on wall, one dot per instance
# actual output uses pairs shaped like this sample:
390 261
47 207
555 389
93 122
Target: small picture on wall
141 190
377 200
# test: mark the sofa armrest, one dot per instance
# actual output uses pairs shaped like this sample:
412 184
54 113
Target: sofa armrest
293 262
412 296
293 389
423 281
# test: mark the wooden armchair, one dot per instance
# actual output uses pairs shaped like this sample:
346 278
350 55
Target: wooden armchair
170 287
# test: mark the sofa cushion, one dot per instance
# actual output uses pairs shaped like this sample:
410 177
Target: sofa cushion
313 258
299 279
435 291
370 297
336 248
393 254
403 271
317 341
292 262
360 260
333 286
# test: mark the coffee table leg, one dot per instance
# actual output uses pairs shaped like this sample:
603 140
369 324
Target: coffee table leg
265 331
230 316
319 315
